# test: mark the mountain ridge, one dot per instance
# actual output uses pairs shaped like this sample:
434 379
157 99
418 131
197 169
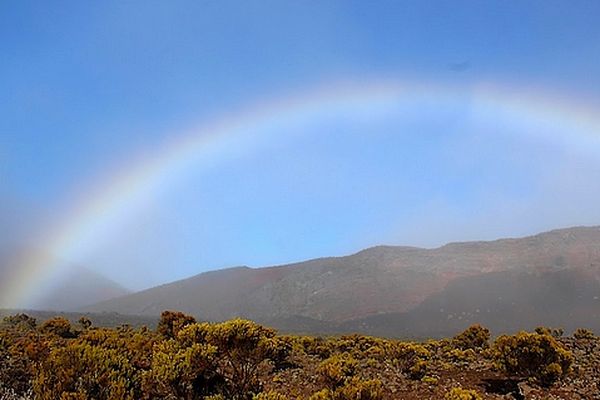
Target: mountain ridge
379 280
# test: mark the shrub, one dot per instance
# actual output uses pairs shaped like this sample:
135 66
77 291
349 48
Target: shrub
20 349
11 394
409 358
242 348
538 357
583 334
19 322
461 356
137 345
353 389
82 371
172 322
474 337
429 380
316 346
363 346
462 394
337 370
85 323
360 389
58 326
270 395
543 330
179 371
14 374
324 394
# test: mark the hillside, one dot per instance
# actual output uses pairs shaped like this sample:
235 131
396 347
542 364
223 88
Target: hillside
506 301
392 281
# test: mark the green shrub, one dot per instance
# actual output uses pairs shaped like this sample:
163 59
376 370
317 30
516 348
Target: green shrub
172 322
583 334
85 323
270 395
243 347
338 369
178 371
361 346
360 389
19 322
429 380
316 346
461 356
354 389
58 326
474 337
543 330
462 394
538 357
410 358
82 371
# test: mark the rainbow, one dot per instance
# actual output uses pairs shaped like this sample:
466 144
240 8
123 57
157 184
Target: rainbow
558 118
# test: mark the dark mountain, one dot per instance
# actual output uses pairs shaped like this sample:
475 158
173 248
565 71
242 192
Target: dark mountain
403 288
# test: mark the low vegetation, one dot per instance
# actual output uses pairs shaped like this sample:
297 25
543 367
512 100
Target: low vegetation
242 360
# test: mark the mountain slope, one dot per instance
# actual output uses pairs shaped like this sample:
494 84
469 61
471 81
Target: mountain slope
505 302
379 280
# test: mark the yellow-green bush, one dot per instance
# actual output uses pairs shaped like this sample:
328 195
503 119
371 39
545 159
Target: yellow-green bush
462 394
461 356
21 348
583 334
270 395
172 322
242 360
360 389
409 358
58 326
354 389
429 379
316 346
544 330
474 337
242 348
538 357
136 344
361 346
337 370
184 372
21 322
80 370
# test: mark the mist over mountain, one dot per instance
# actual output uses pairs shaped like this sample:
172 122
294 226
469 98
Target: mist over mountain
510 284
77 286
80 287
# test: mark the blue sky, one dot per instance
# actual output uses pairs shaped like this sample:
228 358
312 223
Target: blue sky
88 86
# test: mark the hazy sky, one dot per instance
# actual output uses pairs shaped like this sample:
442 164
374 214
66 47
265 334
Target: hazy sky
88 86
